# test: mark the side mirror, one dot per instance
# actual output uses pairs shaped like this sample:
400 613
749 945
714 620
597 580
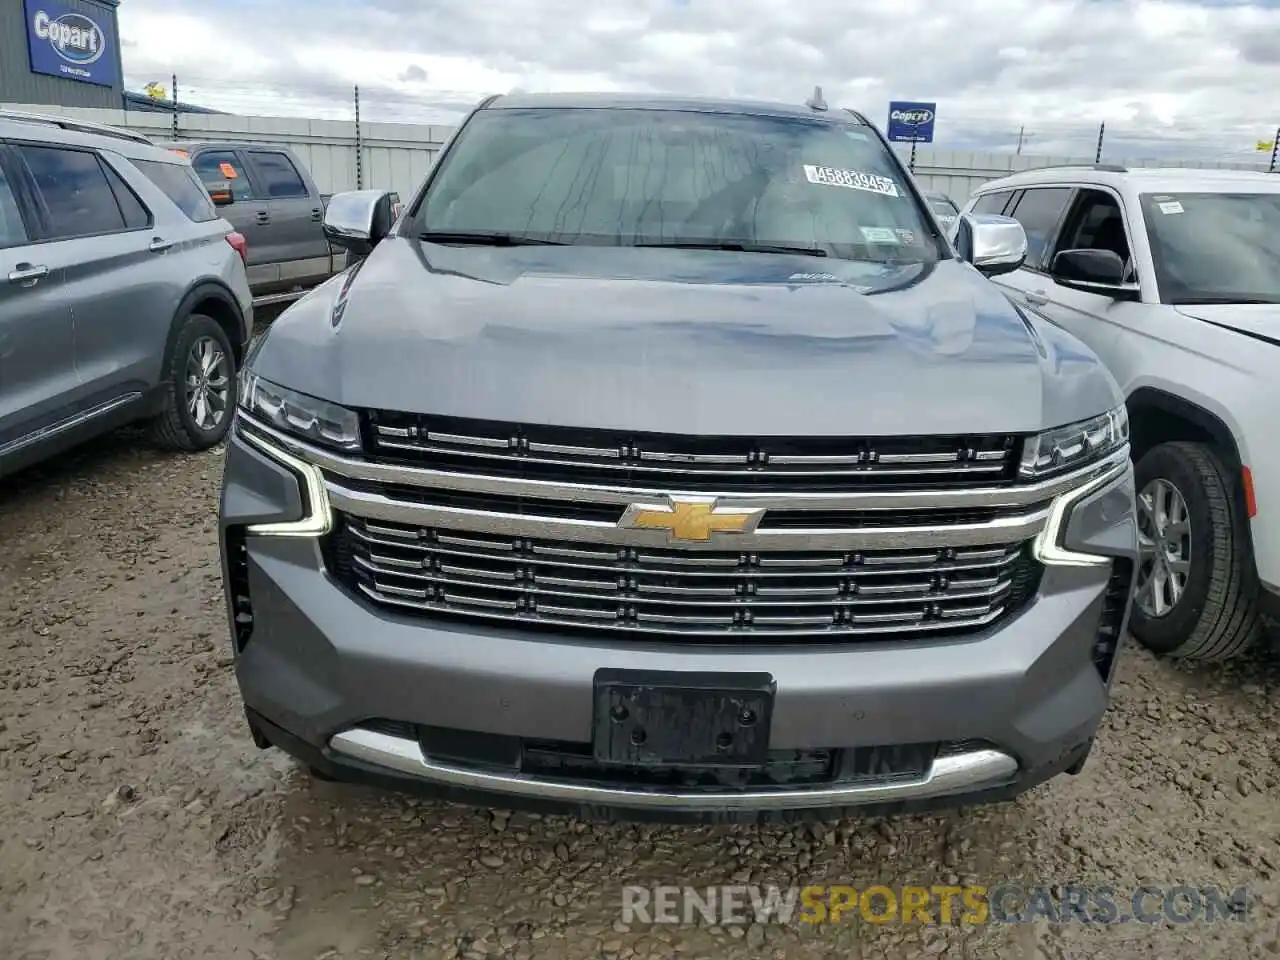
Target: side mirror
220 193
358 219
1093 271
994 245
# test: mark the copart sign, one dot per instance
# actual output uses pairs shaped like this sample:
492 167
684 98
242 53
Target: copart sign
75 43
911 121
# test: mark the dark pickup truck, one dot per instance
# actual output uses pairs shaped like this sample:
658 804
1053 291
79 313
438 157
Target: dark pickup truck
268 195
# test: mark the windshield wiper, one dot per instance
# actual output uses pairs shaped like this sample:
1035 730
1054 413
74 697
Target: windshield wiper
484 238
1208 301
735 245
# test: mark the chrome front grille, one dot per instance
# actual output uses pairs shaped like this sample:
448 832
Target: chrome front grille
834 562
706 594
690 463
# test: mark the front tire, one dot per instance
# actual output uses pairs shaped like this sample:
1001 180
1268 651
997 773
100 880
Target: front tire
200 396
1196 589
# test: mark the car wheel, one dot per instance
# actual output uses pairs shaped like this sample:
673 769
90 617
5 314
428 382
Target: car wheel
1196 588
201 394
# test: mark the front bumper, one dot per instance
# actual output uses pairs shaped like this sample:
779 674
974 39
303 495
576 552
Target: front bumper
323 671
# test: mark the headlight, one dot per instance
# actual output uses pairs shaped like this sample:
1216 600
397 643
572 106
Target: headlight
1076 445
300 415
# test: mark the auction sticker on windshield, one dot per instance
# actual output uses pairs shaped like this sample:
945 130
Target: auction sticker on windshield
850 179
880 235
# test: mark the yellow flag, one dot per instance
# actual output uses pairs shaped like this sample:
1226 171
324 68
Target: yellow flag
1266 146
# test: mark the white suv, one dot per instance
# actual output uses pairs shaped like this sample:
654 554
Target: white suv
1172 276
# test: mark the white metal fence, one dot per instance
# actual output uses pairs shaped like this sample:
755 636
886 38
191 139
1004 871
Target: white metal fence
396 156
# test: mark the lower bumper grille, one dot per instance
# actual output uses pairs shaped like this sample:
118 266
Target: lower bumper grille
574 763
703 595
1115 605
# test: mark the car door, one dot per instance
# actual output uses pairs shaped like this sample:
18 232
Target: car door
1095 221
249 211
37 364
296 218
1040 210
115 278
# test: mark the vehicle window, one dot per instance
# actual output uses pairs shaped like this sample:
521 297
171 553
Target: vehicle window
219 166
661 177
179 184
1096 223
12 230
1039 211
136 216
1215 247
943 209
280 178
992 202
75 190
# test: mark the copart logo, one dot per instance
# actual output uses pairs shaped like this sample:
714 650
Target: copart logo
73 36
912 118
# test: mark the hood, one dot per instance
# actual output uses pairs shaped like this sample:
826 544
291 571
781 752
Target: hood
693 342
1258 320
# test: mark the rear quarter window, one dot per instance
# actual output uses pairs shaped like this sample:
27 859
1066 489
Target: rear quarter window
179 183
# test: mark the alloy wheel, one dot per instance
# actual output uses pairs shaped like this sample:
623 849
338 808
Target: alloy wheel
1164 548
208 383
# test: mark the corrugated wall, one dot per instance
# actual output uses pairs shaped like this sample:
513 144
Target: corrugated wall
396 156
18 83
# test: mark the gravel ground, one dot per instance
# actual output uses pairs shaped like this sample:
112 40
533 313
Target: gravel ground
140 822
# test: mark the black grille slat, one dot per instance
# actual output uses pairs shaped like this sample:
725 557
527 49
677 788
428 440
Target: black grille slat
434 572
660 461
1115 603
579 558
574 762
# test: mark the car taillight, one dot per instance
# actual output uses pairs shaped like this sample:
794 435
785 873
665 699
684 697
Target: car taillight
238 244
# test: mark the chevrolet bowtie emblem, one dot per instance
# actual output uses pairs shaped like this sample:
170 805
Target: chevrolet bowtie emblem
689 519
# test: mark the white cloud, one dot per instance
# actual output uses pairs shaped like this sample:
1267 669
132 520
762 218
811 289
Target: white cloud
1200 76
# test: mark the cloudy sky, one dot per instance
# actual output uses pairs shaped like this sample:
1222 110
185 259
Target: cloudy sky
1195 77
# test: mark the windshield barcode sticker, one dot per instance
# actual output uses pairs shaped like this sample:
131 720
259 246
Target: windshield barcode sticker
850 179
880 235
1171 206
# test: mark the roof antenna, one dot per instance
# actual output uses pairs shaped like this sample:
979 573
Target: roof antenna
816 102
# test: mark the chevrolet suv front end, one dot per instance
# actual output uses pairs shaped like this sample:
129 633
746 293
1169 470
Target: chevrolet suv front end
662 459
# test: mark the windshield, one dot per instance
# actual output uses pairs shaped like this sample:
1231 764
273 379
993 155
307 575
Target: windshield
625 177
943 209
1215 247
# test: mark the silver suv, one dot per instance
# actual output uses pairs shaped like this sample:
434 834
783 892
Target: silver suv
122 293
664 457
1172 276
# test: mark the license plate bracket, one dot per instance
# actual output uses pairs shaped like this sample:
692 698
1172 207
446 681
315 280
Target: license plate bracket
682 719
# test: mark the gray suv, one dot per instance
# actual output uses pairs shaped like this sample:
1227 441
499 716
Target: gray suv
665 459
122 293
